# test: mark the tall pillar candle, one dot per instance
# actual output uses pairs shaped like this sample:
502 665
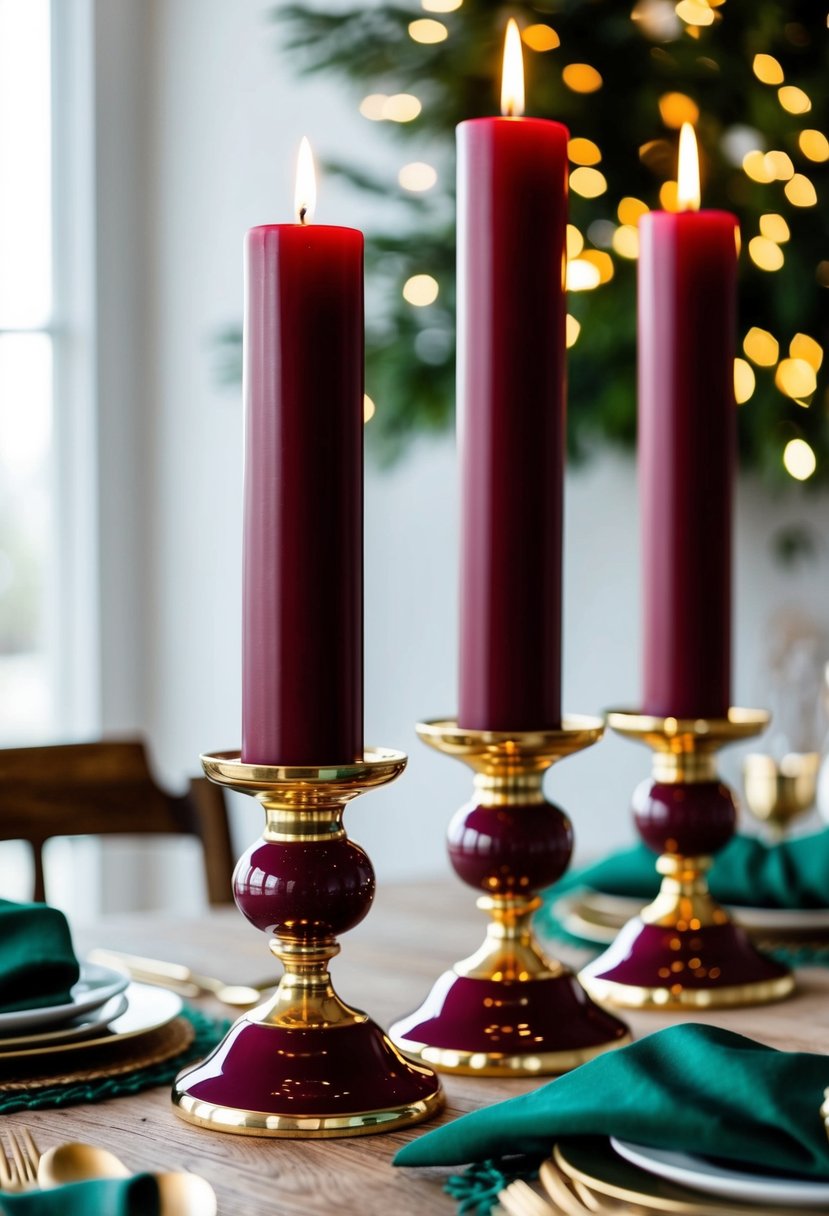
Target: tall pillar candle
687 445
512 216
303 512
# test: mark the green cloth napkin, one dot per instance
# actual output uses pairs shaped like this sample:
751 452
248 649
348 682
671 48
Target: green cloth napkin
136 1196
699 1089
37 962
748 872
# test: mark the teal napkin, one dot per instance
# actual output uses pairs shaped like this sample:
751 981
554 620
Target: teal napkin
698 1089
747 872
37 962
136 1196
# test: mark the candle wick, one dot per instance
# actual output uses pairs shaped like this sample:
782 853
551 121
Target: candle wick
303 211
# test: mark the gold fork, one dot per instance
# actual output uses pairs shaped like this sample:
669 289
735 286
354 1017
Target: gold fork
519 1199
18 1171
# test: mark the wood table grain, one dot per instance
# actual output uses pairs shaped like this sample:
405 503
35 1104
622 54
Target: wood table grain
386 967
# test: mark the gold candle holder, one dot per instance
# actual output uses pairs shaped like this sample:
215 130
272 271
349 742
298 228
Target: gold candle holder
683 951
303 1063
509 1009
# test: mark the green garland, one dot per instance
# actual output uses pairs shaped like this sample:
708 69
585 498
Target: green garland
643 50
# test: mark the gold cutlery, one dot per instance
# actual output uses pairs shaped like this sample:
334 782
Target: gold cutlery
18 1171
519 1199
181 979
180 1193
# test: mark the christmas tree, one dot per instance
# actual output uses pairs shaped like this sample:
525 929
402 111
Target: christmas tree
751 75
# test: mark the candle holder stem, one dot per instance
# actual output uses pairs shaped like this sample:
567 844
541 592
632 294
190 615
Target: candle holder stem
684 951
508 1009
303 1063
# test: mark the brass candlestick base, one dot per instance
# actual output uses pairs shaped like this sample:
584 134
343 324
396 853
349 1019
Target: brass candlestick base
509 1010
683 951
303 1063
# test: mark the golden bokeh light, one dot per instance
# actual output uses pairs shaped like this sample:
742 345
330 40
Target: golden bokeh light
799 460
794 99
581 78
800 192
540 38
761 347
695 13
668 196
417 176
626 241
512 73
372 106
589 183
795 378
583 151
428 31
401 107
575 241
804 347
420 290
631 210
779 165
744 381
755 167
602 261
765 254
822 273
814 145
677 108
440 6
767 69
572 330
369 408
775 228
582 275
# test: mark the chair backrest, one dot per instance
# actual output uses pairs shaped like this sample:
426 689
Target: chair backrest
102 789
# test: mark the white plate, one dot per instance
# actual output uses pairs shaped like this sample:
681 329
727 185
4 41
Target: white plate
148 1008
96 986
82 1028
771 920
704 1175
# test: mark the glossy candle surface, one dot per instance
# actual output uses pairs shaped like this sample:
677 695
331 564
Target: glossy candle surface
512 215
687 447
303 543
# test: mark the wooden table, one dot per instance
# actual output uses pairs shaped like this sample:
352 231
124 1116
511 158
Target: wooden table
386 967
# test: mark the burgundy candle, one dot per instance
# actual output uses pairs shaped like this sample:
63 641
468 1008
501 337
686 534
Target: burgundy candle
303 546
512 215
687 443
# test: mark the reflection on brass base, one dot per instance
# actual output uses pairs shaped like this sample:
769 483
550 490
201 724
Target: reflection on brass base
653 967
546 1027
508 1010
368 1065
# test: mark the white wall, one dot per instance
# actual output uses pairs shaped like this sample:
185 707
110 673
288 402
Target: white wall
224 118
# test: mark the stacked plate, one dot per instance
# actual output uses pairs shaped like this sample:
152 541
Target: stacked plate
598 917
104 1010
679 1182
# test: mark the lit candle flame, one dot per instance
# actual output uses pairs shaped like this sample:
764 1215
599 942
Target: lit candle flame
512 78
688 192
305 194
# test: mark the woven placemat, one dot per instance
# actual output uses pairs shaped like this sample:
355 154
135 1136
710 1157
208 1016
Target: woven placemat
146 1062
112 1060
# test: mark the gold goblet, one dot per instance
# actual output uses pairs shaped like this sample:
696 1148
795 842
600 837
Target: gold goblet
777 792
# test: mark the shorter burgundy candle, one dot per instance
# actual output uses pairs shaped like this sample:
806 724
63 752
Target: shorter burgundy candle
302 630
687 452
512 216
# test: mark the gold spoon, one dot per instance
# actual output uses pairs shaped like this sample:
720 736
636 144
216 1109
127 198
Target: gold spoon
181 979
180 1194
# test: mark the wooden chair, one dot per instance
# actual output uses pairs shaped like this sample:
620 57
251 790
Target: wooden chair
103 789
